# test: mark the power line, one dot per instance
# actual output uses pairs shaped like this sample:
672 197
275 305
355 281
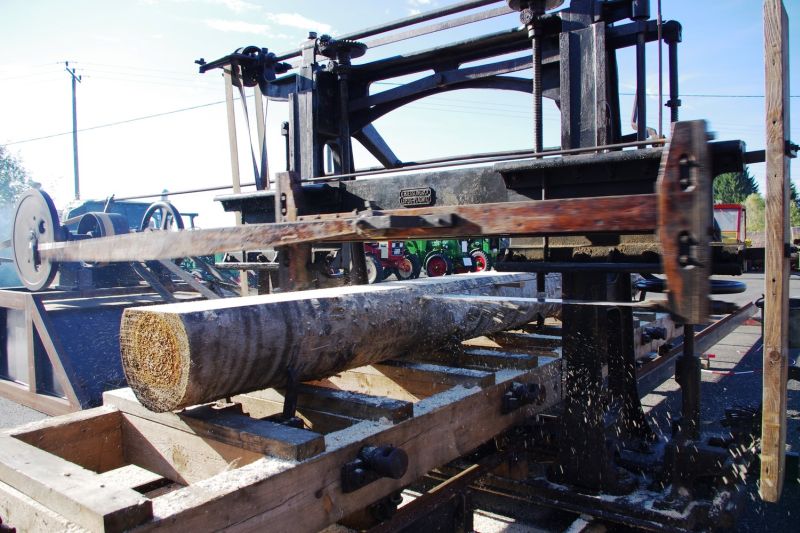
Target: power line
128 121
444 107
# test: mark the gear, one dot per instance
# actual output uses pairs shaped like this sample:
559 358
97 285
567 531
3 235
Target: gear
341 50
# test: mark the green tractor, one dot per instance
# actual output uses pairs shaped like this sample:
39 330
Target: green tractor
449 256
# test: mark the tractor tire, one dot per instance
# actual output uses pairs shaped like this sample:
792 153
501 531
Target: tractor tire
409 268
438 265
374 270
480 261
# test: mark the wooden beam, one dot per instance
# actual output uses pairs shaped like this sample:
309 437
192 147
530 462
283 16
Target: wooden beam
232 428
75 493
172 354
90 438
776 272
634 213
308 497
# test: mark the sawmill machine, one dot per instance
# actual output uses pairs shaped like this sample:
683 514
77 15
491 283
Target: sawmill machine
603 205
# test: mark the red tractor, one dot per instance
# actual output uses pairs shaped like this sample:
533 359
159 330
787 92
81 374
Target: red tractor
390 257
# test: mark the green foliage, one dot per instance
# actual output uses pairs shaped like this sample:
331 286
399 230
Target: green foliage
754 204
14 179
734 187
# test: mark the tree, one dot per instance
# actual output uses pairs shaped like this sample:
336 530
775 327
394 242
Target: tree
14 179
754 204
734 187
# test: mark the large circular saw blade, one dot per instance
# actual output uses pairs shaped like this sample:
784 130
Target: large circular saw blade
35 222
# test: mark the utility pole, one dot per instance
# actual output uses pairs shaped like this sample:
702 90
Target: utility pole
75 79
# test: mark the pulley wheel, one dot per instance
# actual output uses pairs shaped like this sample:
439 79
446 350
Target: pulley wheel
161 216
100 224
35 222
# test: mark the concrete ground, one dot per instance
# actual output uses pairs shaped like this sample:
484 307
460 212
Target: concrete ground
740 353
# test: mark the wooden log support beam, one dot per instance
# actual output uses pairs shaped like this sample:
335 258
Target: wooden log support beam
179 355
350 404
776 272
75 493
308 496
229 427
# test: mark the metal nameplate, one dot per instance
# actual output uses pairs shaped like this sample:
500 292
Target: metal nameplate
418 196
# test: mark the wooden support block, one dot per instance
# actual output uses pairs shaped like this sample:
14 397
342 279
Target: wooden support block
445 375
90 438
75 493
485 357
499 359
347 403
317 421
508 339
130 476
27 515
231 428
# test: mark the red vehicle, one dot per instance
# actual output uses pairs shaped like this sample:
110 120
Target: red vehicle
390 257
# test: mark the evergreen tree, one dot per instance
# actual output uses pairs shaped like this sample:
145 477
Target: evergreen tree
734 187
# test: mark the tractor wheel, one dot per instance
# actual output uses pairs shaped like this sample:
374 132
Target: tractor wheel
374 270
438 265
407 268
480 261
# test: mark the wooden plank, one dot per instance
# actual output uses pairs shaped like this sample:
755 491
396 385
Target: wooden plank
27 515
776 271
308 496
318 421
509 339
63 371
50 405
70 490
178 455
130 476
231 428
13 299
445 375
367 380
635 213
90 438
351 404
407 380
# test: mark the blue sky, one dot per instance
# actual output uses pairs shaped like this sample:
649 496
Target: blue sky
136 59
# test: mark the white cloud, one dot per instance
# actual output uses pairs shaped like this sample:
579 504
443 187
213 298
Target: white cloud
237 6
419 3
295 20
237 26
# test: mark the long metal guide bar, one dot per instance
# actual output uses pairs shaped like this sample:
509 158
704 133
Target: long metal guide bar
621 214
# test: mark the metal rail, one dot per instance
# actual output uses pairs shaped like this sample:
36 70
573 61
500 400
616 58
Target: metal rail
488 157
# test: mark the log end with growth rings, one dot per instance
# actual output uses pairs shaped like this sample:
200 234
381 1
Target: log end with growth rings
155 357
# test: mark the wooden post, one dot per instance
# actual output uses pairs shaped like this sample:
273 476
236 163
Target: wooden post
234 149
776 272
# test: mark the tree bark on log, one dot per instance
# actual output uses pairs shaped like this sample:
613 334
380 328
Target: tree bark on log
177 355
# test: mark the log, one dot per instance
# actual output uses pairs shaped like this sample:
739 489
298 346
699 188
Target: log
177 355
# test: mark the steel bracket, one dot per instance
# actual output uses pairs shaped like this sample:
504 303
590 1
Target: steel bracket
371 464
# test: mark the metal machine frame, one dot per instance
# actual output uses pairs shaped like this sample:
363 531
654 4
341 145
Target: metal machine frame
601 205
